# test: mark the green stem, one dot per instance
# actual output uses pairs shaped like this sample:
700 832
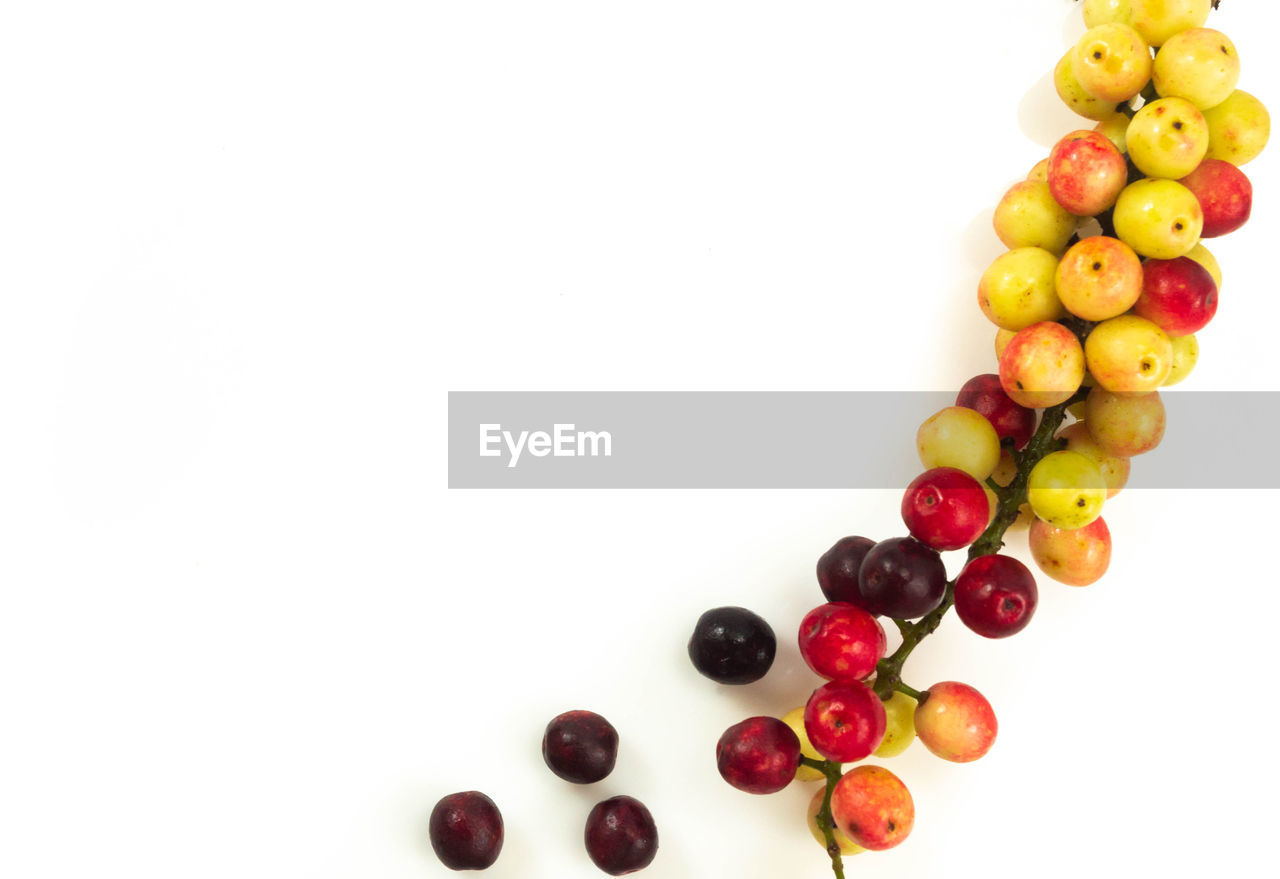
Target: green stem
826 823
1010 500
914 694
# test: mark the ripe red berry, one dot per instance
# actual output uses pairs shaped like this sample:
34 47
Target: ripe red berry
901 578
844 720
760 755
945 508
841 642
1225 195
1178 295
996 596
838 568
986 396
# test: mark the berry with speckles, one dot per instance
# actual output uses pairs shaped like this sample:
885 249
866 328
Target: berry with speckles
873 807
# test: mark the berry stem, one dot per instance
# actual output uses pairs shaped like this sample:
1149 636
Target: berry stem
1009 500
914 694
825 822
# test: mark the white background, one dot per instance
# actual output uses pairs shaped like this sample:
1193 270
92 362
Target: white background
247 247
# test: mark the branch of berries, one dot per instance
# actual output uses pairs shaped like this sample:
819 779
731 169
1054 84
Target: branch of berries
1097 302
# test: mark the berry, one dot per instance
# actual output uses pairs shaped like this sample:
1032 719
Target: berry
985 395
1112 62
732 645
466 831
1199 64
899 725
621 836
1225 195
838 568
996 596
1066 489
1124 425
1129 354
945 508
841 642
580 746
1167 138
1078 557
1099 278
1086 173
760 755
1042 366
1158 218
1178 295
1028 216
956 722
873 807
1158 20
961 438
845 720
1239 128
902 578
1016 290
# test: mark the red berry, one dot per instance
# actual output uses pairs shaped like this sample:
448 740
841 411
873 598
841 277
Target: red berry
984 394
1178 295
945 508
760 755
901 578
1225 195
841 642
844 720
996 596
838 568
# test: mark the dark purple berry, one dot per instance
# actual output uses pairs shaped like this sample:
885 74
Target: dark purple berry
732 645
621 836
466 831
902 578
838 569
580 746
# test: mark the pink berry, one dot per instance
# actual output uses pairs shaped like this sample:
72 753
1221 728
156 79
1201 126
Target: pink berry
956 722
